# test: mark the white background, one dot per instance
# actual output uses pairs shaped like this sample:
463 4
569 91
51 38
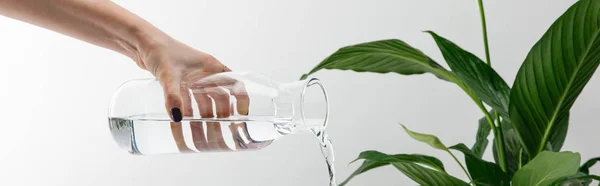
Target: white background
55 90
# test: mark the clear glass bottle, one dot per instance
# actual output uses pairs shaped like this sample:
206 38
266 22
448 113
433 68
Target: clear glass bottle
232 111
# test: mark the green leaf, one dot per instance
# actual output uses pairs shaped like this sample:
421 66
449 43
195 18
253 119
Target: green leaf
553 75
481 140
416 158
482 172
546 168
585 168
432 140
558 135
382 56
580 179
366 166
425 176
374 159
479 77
512 148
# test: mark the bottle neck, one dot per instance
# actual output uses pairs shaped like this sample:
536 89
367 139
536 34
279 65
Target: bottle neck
306 102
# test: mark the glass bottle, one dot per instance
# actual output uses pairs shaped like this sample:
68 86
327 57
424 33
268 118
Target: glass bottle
232 111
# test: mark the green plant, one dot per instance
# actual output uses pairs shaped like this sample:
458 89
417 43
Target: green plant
529 121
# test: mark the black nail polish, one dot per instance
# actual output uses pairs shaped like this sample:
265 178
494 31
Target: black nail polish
176 114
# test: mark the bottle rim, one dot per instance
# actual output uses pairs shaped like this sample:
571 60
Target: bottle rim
311 82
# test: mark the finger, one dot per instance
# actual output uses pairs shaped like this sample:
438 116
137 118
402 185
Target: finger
186 97
177 132
221 99
213 140
222 109
215 137
239 138
176 128
198 136
171 83
235 87
205 92
215 88
205 109
238 90
205 104
242 137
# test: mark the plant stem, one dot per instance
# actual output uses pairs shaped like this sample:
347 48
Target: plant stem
484 28
520 158
461 166
497 116
499 137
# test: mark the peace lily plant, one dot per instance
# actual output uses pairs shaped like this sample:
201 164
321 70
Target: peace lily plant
529 121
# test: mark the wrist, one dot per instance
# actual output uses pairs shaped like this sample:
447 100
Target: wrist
144 41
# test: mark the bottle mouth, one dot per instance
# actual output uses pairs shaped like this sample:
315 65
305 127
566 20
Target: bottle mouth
314 104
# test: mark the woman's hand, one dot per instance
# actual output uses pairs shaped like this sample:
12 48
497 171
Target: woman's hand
178 68
105 24
175 64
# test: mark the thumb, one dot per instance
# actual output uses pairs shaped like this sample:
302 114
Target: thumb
171 84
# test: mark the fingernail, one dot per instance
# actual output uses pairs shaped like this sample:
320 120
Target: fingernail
176 114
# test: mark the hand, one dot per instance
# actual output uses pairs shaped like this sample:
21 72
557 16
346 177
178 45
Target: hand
230 99
175 64
178 68
108 25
